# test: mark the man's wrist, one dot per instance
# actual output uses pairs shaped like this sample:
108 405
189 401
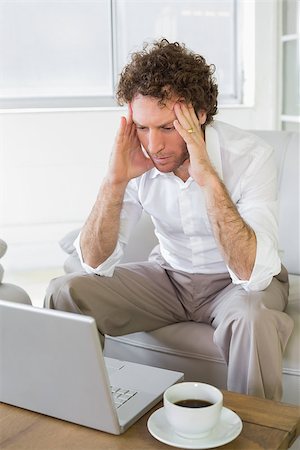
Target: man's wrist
111 183
111 192
208 178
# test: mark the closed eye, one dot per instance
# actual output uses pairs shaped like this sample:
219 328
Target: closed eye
168 128
164 128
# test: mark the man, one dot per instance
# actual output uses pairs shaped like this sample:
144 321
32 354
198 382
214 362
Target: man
210 189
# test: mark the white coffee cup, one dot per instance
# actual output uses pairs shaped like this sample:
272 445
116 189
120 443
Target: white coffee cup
197 421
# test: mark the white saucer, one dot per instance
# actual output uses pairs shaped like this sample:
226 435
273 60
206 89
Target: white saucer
228 428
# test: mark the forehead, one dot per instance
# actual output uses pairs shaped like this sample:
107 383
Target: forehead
147 110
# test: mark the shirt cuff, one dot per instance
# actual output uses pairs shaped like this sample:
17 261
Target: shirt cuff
267 265
106 269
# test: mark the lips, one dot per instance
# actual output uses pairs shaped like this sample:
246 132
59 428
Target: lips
161 159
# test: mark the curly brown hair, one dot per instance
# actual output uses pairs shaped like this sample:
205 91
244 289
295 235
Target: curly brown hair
162 70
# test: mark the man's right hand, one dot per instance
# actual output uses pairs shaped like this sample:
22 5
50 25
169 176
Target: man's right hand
127 160
99 236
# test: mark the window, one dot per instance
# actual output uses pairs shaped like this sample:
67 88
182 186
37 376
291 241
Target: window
290 108
70 52
54 52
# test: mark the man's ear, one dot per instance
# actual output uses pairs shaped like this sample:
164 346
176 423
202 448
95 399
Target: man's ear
202 116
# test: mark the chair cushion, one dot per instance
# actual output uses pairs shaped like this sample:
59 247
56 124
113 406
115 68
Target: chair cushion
67 242
188 339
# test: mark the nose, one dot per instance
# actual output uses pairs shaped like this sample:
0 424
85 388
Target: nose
155 142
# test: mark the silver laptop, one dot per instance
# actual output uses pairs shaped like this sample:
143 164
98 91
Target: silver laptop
51 362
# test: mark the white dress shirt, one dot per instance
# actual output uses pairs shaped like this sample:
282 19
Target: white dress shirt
247 167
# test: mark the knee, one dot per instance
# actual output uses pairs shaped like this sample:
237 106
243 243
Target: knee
59 292
254 314
52 292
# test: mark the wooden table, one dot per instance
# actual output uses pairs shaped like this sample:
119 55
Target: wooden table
266 425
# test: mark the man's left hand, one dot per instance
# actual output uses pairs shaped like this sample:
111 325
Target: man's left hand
188 125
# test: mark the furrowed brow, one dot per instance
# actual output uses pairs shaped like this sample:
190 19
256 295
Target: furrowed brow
169 123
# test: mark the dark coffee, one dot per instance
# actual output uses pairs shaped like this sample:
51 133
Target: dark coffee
193 403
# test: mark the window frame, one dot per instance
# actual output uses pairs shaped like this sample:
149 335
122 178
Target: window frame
239 97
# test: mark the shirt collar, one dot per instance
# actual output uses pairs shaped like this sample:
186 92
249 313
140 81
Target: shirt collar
155 172
214 152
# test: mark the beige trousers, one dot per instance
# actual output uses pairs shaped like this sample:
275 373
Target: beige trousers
251 331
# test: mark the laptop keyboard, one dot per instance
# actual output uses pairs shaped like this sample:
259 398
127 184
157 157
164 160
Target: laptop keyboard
121 395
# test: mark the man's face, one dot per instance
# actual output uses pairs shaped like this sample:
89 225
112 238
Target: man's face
157 134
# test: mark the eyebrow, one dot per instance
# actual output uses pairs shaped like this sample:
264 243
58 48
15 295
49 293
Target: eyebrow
159 126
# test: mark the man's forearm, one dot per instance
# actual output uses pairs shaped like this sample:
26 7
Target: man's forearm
99 235
235 238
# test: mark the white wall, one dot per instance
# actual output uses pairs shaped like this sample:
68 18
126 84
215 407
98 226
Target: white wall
52 162
51 166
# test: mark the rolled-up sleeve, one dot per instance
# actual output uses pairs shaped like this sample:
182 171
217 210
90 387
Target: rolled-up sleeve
108 266
130 214
258 207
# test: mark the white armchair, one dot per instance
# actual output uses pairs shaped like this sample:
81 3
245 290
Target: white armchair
188 346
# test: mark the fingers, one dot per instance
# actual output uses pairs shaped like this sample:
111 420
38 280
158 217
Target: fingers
122 128
182 118
186 118
129 114
124 131
127 126
126 123
126 136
